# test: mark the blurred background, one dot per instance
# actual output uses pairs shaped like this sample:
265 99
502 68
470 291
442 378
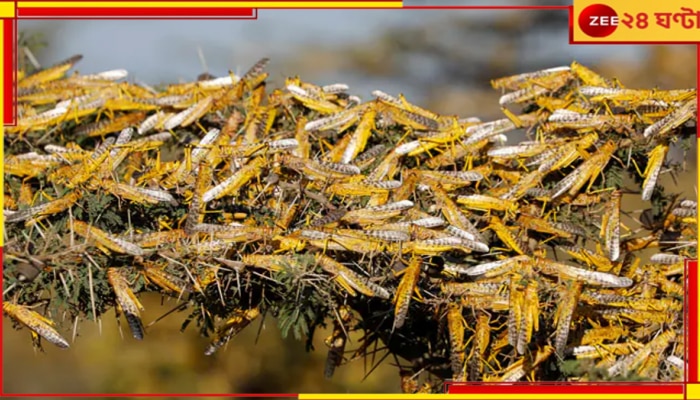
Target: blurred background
441 60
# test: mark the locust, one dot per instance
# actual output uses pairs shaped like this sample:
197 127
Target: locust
39 325
127 302
466 251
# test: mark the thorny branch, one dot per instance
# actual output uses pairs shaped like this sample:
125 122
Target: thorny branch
466 257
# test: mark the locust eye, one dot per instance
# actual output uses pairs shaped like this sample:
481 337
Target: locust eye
205 77
136 175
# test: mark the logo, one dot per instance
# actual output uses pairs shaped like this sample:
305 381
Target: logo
598 20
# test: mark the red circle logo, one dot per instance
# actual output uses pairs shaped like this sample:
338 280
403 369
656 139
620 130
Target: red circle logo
598 20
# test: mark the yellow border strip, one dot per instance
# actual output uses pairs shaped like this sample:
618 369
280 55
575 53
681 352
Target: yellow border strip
212 4
692 391
7 9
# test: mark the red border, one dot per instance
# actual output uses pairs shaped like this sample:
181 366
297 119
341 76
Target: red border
569 388
145 12
691 319
166 395
9 78
691 298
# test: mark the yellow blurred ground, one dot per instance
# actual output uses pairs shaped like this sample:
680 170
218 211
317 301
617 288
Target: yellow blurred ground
168 361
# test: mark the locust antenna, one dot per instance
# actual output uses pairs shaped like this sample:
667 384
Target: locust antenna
32 59
205 75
